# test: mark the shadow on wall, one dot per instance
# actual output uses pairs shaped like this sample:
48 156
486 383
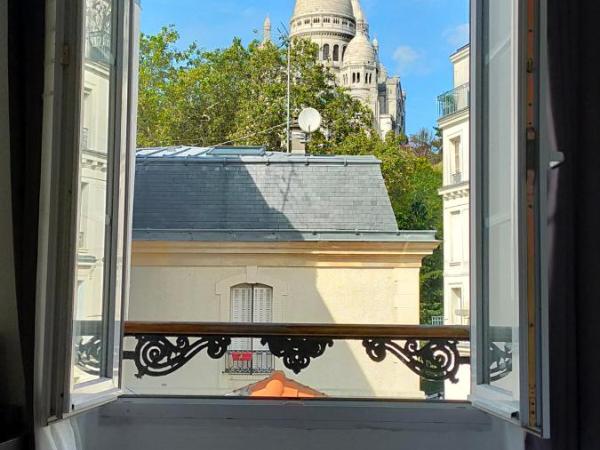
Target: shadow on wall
201 197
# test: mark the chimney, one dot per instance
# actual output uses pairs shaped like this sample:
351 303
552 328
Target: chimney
297 140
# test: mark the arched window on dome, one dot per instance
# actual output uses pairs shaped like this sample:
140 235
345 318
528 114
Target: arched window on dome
325 52
358 77
353 77
344 52
336 52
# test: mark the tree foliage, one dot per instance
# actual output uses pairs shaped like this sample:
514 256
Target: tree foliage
238 95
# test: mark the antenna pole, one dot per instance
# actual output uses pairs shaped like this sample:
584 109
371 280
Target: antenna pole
289 64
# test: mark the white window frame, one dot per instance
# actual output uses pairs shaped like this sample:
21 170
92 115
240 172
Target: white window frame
56 273
485 396
55 395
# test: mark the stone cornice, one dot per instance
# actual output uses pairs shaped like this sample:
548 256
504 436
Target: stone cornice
455 191
454 118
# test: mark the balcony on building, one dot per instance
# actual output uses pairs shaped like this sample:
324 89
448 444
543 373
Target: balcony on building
453 101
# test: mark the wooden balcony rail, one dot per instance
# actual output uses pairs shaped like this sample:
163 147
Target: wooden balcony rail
333 331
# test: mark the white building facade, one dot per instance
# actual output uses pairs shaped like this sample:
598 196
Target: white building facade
454 123
341 30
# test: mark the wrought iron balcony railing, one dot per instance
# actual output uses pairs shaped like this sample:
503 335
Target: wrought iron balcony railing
435 353
429 351
456 177
453 101
99 46
437 320
249 362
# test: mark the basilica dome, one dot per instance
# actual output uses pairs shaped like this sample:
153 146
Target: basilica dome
360 51
337 7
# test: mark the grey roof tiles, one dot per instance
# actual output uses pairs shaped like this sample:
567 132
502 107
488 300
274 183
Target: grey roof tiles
256 193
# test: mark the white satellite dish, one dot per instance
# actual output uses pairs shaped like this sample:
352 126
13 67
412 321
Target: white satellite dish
309 120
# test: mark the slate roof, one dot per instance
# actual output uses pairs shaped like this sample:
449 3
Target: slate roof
246 193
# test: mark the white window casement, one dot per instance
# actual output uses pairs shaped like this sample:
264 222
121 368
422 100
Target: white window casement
250 303
456 160
460 311
456 233
505 323
84 210
508 328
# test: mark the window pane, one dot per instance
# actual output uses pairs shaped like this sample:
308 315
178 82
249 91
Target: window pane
499 198
95 190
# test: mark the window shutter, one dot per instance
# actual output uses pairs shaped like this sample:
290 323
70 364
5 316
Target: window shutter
262 310
241 311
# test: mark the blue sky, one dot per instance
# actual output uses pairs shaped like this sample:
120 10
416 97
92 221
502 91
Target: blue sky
416 37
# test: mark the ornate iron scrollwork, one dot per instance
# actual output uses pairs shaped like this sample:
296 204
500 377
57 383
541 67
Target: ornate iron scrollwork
500 361
158 356
435 360
297 352
89 355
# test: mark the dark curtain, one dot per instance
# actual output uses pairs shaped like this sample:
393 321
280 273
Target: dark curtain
574 225
26 85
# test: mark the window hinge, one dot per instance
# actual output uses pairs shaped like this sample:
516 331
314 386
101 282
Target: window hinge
65 57
530 65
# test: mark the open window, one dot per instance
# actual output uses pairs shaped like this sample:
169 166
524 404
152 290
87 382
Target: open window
87 267
84 219
507 324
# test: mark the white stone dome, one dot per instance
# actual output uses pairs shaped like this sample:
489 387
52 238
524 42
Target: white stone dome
338 7
360 51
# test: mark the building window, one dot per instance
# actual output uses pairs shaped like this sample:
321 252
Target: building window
455 145
250 303
460 311
456 237
358 77
344 52
325 52
336 52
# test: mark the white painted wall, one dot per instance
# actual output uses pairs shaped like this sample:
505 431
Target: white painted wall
324 292
461 67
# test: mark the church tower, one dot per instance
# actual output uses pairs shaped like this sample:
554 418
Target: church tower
341 30
359 72
267 31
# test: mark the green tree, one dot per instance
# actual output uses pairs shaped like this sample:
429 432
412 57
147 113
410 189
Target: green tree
426 144
237 94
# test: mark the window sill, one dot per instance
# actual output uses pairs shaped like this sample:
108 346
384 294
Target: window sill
314 414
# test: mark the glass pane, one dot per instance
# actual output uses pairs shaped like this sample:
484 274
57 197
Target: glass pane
95 189
499 199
